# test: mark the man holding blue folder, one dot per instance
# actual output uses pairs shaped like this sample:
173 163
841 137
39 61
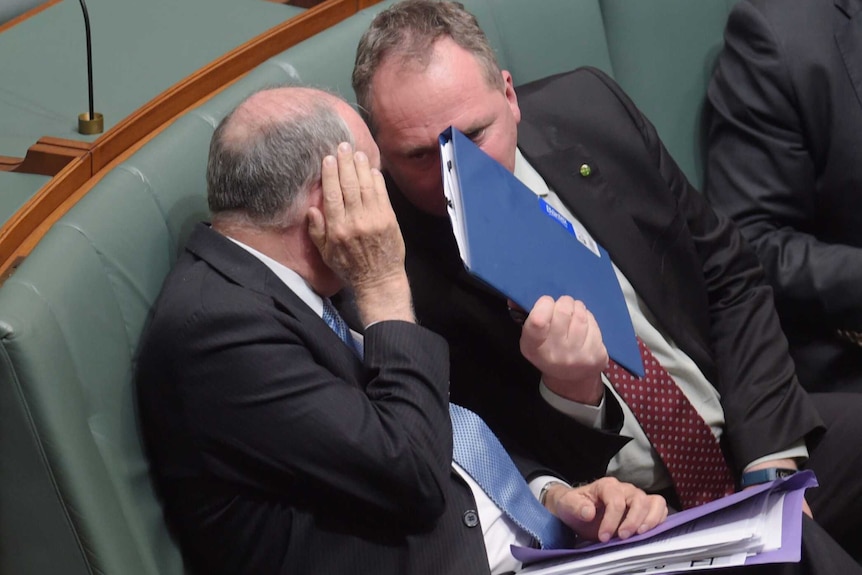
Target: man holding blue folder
283 442
704 317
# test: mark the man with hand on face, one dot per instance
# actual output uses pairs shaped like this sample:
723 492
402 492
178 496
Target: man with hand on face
283 442
708 331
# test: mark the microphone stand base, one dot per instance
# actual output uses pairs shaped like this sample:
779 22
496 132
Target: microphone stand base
87 125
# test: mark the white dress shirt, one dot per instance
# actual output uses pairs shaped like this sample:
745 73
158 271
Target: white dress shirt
498 530
638 462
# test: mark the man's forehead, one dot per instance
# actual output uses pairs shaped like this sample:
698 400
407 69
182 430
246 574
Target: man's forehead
406 119
450 74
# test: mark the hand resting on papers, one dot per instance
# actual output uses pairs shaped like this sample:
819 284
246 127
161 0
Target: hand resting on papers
605 508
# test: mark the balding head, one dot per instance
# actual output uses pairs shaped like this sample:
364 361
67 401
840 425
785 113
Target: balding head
266 154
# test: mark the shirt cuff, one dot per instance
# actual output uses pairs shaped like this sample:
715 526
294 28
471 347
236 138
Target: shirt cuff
537 483
797 451
588 415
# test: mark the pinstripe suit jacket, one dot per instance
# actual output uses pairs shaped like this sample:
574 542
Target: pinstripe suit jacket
277 451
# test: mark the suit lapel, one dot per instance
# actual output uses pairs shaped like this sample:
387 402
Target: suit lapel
242 268
848 37
599 208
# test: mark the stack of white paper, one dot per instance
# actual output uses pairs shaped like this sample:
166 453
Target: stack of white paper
762 525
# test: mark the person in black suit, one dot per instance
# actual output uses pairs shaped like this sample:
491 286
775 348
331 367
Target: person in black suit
280 446
695 291
784 149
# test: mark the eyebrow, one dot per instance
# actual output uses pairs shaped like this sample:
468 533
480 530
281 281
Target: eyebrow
471 129
476 126
417 150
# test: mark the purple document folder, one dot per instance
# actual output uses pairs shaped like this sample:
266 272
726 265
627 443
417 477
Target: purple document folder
795 486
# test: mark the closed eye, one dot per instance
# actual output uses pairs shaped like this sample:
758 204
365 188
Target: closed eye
476 135
422 155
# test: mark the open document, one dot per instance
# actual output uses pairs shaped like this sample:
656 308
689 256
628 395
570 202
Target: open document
760 525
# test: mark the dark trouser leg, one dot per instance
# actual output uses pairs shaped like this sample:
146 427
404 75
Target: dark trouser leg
837 462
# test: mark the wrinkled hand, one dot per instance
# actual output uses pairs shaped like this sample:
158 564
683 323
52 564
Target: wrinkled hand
359 238
562 339
605 508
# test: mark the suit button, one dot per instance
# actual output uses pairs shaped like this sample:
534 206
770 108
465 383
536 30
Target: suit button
471 518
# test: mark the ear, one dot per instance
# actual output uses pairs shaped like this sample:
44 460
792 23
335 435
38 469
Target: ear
311 202
314 195
511 97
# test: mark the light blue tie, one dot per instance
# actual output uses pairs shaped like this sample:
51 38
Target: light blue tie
334 320
478 451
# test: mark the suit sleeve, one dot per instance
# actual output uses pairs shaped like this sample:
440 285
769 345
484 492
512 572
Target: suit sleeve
268 415
760 172
765 408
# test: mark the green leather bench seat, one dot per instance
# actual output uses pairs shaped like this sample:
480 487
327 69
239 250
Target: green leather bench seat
15 190
75 494
663 52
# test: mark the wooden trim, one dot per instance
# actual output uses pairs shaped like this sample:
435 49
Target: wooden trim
298 3
10 269
46 157
29 13
68 198
9 163
24 230
41 205
211 77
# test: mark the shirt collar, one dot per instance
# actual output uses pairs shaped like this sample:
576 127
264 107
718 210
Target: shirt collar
529 176
290 278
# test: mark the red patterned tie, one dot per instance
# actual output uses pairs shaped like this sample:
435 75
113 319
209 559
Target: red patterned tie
676 430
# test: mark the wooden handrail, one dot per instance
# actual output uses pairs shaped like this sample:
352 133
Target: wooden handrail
23 230
38 208
28 14
218 74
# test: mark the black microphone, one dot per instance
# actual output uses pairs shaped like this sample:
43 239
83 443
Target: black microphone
89 122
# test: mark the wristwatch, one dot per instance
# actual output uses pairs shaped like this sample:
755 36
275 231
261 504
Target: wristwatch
543 494
765 475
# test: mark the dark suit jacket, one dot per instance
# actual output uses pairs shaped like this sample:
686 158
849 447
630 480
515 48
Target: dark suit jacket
687 264
785 161
277 451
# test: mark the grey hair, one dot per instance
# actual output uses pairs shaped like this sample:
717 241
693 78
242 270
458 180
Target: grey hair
260 170
409 30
